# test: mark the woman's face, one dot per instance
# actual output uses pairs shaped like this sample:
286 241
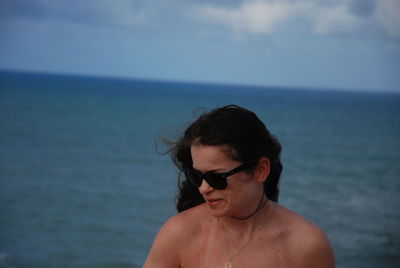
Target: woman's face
244 190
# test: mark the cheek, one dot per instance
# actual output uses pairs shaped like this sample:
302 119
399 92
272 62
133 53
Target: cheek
242 192
238 193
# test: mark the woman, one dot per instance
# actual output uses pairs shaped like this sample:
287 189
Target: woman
228 212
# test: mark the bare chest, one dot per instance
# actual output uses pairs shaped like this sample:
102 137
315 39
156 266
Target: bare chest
213 252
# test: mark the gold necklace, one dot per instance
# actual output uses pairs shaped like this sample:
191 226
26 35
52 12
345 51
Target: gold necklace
231 257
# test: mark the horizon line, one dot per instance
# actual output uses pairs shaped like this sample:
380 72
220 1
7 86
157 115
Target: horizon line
205 83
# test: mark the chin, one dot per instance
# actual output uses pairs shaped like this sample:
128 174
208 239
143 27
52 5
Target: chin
218 212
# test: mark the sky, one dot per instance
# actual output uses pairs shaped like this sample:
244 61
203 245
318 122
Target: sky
320 44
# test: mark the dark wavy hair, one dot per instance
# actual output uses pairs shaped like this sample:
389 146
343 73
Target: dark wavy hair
246 136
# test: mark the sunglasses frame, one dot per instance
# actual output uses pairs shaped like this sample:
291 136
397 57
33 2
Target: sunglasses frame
214 182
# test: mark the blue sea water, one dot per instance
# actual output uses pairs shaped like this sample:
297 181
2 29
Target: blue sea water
82 183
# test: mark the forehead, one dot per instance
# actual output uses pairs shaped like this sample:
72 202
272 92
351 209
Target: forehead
206 157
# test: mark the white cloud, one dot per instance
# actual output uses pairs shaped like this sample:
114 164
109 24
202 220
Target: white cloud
125 13
322 17
332 19
387 14
316 16
253 17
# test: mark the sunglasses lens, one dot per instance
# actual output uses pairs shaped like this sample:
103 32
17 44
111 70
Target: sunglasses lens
216 181
194 177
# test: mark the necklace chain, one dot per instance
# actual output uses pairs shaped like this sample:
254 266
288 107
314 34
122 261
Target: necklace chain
231 257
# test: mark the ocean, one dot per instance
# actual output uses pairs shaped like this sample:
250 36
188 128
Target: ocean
84 182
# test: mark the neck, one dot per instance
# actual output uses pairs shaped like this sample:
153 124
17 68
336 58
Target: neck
248 224
261 204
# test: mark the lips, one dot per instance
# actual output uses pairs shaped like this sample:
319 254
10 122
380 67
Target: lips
214 202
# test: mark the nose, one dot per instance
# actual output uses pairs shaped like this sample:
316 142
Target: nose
205 188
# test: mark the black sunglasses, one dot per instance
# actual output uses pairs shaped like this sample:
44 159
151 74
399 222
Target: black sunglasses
215 180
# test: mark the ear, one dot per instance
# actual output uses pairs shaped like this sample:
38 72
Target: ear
262 169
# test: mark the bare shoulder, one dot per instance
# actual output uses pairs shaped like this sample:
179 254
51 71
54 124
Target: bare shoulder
307 242
186 223
172 238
